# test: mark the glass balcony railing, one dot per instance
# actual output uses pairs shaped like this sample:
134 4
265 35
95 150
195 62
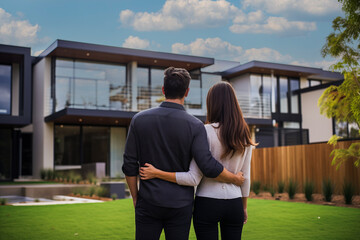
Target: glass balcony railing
122 100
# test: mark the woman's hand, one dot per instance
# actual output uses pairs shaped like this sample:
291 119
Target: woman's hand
148 172
245 216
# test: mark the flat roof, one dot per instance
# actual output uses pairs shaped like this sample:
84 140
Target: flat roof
281 69
95 52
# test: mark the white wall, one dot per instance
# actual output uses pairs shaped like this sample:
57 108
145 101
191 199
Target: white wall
304 83
320 127
43 135
241 83
117 148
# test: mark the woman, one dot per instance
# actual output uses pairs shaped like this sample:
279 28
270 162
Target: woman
230 142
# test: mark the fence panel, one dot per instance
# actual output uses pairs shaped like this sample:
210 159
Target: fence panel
311 162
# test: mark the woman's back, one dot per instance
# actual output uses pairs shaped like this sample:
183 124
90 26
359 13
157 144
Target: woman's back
237 162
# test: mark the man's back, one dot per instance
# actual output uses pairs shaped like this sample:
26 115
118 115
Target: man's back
167 137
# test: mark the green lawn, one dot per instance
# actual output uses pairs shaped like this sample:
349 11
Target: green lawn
115 220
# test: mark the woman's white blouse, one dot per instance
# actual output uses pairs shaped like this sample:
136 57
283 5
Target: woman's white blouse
209 187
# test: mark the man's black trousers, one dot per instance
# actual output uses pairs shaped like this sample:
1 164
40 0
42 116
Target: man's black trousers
151 220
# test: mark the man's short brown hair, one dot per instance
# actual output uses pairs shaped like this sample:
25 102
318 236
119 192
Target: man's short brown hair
176 82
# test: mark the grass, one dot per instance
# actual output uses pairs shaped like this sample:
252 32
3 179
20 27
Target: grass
268 219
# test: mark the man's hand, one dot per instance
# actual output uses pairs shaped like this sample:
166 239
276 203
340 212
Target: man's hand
228 177
241 179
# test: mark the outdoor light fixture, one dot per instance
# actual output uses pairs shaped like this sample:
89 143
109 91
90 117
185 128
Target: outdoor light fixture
80 120
116 121
87 54
155 61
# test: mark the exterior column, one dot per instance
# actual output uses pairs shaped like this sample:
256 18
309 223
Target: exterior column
43 133
132 79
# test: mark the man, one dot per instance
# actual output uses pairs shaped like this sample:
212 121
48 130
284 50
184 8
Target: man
168 138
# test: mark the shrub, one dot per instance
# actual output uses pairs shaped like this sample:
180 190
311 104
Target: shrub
272 191
76 191
291 188
309 189
92 191
43 174
281 186
328 189
77 178
256 187
266 188
102 192
114 196
49 174
36 200
91 177
348 191
3 201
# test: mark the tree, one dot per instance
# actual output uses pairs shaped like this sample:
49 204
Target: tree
343 102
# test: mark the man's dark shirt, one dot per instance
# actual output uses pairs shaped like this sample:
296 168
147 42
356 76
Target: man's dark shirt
168 138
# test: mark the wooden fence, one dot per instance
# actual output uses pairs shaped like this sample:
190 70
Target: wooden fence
302 163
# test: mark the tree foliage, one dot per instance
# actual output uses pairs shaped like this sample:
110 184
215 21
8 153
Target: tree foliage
343 102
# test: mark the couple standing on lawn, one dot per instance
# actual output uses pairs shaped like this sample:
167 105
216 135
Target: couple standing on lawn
173 151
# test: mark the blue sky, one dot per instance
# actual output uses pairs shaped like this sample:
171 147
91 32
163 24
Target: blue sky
284 31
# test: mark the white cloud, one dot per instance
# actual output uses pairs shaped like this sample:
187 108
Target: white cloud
324 64
265 54
210 47
17 32
136 42
287 7
37 53
255 23
216 47
179 14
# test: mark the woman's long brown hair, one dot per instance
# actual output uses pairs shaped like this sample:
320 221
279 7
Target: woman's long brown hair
223 108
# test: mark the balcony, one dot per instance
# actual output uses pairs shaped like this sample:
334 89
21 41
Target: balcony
122 100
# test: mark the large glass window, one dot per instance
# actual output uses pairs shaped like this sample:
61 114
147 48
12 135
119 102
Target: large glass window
143 94
5 89
157 81
90 85
76 145
5 153
347 130
255 86
193 100
96 144
67 145
294 85
283 84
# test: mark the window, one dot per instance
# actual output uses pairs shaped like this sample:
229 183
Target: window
313 83
76 145
67 145
90 85
5 153
255 86
294 98
283 82
193 100
346 130
5 89
157 81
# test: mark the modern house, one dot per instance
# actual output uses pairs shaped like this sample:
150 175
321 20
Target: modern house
15 111
84 96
